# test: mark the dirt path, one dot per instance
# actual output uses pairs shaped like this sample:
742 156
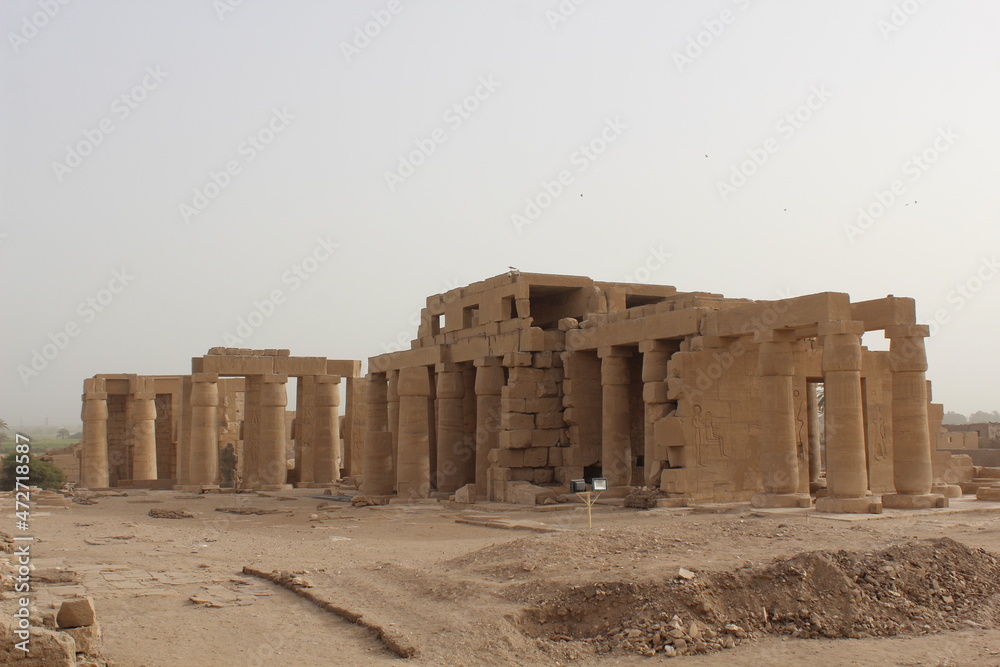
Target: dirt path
455 591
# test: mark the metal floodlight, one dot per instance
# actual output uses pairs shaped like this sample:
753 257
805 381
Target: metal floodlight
579 487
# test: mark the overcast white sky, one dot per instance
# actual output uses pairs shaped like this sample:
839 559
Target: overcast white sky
115 113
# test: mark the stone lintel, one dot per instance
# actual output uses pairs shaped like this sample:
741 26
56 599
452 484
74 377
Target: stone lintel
841 327
908 331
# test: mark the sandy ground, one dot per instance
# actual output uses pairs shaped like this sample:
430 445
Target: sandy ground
452 591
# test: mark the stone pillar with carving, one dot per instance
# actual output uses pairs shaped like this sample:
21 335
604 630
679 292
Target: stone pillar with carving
379 474
413 471
273 471
326 443
144 430
778 445
846 459
911 444
203 468
451 441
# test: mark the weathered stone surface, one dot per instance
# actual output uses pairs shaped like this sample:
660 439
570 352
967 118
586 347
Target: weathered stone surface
48 648
87 638
466 494
988 493
76 613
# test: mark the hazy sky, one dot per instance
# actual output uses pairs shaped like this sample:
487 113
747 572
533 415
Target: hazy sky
168 167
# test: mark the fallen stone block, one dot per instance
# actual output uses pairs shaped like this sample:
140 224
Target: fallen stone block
76 613
466 494
988 493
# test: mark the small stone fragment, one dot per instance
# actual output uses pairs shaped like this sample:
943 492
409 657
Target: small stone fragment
76 613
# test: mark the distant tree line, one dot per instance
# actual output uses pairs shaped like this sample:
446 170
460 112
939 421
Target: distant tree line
979 417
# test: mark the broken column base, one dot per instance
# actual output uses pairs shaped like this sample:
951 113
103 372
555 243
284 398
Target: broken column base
864 505
913 501
947 490
313 485
817 485
271 487
780 500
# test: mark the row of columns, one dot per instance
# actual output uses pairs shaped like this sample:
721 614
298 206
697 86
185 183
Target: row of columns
847 474
462 412
616 418
317 425
847 468
264 438
264 431
142 415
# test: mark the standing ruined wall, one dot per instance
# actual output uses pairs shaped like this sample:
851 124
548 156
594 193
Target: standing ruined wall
691 394
533 435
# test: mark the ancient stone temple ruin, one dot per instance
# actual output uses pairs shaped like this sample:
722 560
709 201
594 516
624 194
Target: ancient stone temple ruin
519 383
225 424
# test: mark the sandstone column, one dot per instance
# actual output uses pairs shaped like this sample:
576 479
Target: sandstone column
468 465
490 382
379 473
846 462
451 442
911 444
144 423
273 471
203 468
616 438
353 430
413 471
251 463
815 452
326 467
778 447
655 357
304 430
392 406
183 408
94 471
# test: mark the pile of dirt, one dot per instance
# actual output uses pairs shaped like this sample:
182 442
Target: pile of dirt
550 553
917 588
642 499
